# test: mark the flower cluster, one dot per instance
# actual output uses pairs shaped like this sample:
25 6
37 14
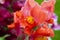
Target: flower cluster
27 20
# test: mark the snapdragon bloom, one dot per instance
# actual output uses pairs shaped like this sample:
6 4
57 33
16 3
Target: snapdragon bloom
32 15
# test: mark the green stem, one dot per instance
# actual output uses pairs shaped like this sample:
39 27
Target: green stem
27 37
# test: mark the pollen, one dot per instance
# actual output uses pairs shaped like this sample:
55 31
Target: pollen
30 20
41 38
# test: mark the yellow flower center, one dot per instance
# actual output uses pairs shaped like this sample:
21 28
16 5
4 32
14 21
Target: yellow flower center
30 20
41 38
